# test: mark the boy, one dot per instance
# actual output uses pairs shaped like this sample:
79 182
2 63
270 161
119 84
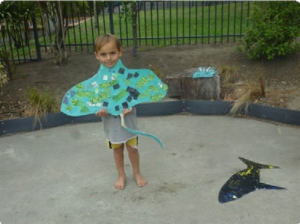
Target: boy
108 51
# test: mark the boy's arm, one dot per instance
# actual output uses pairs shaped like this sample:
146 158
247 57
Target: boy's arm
127 111
101 113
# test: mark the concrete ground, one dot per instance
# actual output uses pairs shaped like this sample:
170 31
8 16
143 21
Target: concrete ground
66 174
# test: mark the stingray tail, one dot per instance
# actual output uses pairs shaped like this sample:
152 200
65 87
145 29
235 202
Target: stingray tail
139 132
259 166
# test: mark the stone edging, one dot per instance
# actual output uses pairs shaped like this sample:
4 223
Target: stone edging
200 107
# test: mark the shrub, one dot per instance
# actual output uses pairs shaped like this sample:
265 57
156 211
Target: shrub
276 27
3 77
40 104
9 65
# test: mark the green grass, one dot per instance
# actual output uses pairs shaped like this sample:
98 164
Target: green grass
158 28
178 25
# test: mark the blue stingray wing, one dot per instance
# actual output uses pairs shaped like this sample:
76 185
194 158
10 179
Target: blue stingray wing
115 89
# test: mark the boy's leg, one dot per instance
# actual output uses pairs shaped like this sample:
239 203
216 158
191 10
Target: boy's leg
134 157
119 160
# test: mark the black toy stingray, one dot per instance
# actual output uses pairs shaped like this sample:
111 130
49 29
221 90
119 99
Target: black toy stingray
244 182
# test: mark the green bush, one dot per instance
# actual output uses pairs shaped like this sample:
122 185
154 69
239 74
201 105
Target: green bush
276 27
3 77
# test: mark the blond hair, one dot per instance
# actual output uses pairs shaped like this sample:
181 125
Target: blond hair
103 39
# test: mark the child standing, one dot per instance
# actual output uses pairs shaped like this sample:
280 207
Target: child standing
108 51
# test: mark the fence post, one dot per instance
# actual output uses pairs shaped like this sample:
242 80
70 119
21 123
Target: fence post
36 39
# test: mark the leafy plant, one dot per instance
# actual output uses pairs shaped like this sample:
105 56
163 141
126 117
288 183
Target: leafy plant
3 77
276 27
40 105
14 17
56 15
8 65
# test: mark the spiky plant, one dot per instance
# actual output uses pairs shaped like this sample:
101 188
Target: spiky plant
228 77
246 93
228 74
40 105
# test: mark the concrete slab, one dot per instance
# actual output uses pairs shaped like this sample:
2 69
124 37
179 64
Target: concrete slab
66 175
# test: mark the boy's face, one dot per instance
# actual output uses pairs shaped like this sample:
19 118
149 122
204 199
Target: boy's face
109 54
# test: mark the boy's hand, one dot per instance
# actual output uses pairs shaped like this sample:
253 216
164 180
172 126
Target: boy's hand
127 111
102 113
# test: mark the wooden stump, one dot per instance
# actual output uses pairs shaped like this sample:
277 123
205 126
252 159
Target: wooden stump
184 86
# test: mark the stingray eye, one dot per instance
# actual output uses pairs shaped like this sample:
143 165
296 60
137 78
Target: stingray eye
231 195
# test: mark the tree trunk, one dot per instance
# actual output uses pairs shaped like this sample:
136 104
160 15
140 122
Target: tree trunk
184 86
134 28
96 14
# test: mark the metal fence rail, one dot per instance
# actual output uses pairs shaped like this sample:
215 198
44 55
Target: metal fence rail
159 23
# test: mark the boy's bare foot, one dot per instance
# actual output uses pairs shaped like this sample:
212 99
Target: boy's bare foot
120 184
140 180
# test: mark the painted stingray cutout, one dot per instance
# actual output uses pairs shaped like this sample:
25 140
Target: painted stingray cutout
139 132
115 89
244 182
205 72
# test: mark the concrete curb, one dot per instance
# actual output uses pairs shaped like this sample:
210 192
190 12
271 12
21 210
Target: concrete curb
200 107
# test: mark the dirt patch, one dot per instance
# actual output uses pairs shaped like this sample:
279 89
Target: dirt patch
282 75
